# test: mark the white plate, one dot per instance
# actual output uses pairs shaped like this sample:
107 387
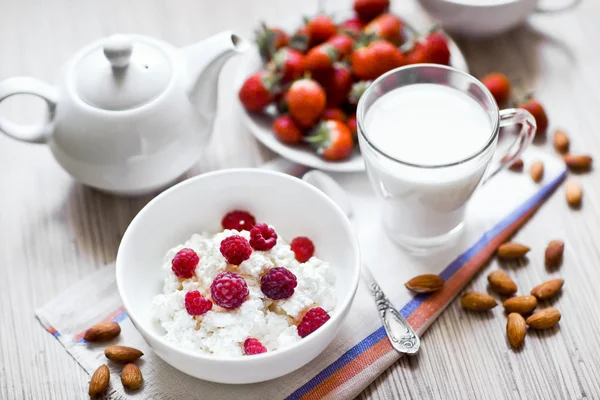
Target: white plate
260 124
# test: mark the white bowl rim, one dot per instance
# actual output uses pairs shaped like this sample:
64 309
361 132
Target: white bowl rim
489 3
339 309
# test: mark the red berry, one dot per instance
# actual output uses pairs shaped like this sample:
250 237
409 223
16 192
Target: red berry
287 130
499 86
270 40
290 63
369 9
352 26
388 27
375 59
278 283
238 220
303 248
437 49
320 28
352 125
262 237
538 112
332 140
184 263
312 320
235 249
196 304
306 101
257 92
339 85
253 346
229 290
334 113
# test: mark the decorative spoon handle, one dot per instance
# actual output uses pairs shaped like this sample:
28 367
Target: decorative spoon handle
401 335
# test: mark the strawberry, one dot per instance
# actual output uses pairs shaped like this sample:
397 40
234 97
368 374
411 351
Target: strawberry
320 28
342 43
320 58
437 49
269 40
258 90
306 101
388 27
335 114
375 59
369 9
300 39
357 91
352 125
332 140
338 85
352 27
289 63
499 85
538 113
287 130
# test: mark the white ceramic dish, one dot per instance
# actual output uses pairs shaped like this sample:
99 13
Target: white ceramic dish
260 124
198 204
484 18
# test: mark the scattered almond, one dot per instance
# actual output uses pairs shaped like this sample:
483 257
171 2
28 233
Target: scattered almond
512 251
574 193
131 377
547 289
122 354
99 381
520 304
517 165
544 319
102 332
561 141
425 283
475 301
554 253
516 330
578 162
537 171
501 283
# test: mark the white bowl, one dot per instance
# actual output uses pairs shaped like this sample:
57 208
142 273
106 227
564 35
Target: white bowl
292 206
484 18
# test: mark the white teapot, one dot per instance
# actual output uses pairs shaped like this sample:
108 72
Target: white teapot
129 113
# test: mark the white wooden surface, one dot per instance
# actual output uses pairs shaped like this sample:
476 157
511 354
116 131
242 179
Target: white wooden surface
53 232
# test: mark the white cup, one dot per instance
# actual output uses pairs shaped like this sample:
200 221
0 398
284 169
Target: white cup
425 203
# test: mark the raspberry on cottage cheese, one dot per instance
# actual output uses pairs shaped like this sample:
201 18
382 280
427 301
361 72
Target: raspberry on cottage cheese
266 322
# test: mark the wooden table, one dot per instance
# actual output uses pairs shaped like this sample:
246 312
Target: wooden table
54 232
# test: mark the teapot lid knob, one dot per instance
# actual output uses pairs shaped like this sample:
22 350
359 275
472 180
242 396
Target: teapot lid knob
117 50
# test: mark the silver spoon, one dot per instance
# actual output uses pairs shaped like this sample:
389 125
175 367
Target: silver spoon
401 335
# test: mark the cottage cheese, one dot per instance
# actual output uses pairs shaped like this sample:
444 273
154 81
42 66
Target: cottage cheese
222 332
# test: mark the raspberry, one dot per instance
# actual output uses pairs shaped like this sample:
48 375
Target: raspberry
303 248
278 283
312 320
235 249
238 220
229 290
262 237
184 263
253 346
196 304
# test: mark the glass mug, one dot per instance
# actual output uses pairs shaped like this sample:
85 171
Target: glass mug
424 204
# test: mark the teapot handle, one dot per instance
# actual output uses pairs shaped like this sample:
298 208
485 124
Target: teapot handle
26 85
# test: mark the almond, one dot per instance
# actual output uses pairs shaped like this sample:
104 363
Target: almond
425 283
561 141
520 304
475 301
99 381
122 354
578 162
501 283
517 165
131 377
554 252
544 319
537 171
574 193
516 330
102 332
547 289
512 251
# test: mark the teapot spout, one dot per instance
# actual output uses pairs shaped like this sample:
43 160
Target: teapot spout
204 62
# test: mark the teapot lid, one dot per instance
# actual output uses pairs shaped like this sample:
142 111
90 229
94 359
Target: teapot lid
122 73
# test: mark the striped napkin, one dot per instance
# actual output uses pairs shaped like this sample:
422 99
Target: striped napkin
361 351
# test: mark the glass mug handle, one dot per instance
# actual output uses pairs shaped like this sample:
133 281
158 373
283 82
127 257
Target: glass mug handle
514 116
